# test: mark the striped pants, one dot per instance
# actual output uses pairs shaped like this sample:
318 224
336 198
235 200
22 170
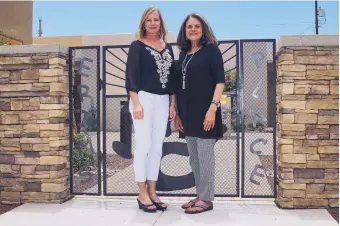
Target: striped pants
202 162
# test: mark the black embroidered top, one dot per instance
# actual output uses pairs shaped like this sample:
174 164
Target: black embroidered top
150 70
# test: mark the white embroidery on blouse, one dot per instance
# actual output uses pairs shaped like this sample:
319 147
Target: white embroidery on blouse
163 62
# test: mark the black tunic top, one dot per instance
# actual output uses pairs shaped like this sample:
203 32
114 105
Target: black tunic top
150 70
203 72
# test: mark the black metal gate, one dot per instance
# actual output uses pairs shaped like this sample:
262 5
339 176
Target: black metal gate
258 113
247 150
84 117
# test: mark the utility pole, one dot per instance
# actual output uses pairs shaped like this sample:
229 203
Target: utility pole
316 18
40 27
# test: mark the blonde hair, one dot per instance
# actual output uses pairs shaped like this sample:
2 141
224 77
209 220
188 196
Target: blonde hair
141 30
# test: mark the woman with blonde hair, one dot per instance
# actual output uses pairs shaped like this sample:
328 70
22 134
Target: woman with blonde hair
150 85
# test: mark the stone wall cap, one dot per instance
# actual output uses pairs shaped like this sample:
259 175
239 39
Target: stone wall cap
32 49
307 41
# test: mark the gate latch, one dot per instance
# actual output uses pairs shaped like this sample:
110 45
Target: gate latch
100 84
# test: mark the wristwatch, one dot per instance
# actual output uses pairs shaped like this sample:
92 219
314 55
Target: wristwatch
218 104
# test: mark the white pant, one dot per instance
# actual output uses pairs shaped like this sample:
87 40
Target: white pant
149 135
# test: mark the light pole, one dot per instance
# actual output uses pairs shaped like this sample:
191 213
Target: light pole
316 18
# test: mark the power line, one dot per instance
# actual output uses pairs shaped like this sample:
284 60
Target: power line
310 26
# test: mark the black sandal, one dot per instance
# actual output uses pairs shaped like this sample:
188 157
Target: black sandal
159 205
145 207
204 208
191 203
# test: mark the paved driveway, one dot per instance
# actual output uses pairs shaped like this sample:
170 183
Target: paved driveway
110 212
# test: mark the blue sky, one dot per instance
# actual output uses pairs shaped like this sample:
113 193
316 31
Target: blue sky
229 19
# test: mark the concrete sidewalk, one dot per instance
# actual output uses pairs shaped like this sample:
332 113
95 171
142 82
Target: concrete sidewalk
114 212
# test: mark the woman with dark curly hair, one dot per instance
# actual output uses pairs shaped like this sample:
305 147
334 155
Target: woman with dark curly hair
199 117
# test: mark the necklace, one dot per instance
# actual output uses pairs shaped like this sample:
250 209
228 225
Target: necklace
184 68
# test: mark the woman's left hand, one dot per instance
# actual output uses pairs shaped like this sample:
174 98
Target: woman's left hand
209 121
172 112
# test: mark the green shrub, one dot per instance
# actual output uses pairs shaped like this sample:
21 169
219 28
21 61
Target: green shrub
83 158
80 141
90 120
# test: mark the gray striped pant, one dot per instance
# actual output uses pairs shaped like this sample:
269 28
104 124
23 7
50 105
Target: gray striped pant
202 162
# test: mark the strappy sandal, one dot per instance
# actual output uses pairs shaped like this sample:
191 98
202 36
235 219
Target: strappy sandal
145 207
204 209
159 205
191 203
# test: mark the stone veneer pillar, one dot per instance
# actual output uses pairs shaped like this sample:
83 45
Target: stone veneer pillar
308 121
34 131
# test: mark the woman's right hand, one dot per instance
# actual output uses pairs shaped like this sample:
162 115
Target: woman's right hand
178 124
138 112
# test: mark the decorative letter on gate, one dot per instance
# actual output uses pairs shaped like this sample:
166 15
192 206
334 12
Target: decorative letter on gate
172 183
124 146
88 116
256 118
255 173
83 66
259 140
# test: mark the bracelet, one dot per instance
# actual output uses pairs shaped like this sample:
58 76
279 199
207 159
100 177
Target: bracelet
218 104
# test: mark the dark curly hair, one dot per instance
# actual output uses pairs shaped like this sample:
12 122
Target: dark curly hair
208 36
